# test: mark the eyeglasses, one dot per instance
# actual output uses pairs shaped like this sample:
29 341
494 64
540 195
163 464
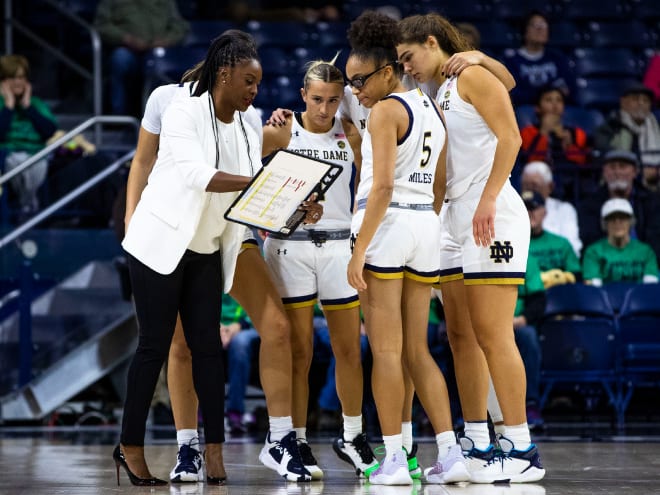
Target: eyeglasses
359 81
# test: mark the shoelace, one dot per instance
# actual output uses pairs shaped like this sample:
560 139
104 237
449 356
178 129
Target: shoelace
306 454
291 446
362 446
186 457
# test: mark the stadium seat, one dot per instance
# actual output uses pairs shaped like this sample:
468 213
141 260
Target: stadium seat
639 330
281 92
460 11
276 61
646 9
629 34
600 93
497 35
616 293
167 65
587 10
605 62
512 10
578 337
564 35
587 119
201 33
282 34
525 115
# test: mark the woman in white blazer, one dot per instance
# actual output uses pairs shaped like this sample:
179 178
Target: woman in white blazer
183 254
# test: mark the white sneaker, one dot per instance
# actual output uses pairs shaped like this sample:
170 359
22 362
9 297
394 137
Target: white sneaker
392 471
451 469
358 453
188 468
484 466
283 456
521 466
309 461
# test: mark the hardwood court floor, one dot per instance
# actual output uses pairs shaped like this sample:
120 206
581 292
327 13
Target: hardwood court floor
76 462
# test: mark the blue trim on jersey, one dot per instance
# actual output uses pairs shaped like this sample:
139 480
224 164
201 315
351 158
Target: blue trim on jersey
437 111
340 301
487 275
434 273
380 269
410 118
299 299
451 271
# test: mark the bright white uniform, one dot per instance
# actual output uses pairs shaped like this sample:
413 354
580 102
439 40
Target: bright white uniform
311 264
470 153
406 242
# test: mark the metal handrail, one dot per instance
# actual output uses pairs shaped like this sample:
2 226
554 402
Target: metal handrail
84 187
100 119
95 75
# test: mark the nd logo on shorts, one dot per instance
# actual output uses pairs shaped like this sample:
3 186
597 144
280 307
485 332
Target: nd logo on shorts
501 251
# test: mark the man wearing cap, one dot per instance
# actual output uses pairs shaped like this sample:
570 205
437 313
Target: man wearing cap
556 258
618 257
632 127
619 171
560 217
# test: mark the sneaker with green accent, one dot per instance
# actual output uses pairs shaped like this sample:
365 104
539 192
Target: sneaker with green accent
358 453
413 466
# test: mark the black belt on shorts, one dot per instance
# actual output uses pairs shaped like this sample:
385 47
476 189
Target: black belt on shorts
318 237
362 204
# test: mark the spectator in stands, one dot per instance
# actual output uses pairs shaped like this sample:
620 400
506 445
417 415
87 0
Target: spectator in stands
26 123
530 306
290 10
130 30
554 254
534 66
620 169
560 216
632 127
240 339
652 76
618 257
549 139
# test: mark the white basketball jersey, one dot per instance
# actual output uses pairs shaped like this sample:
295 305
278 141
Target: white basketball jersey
417 152
331 146
471 144
351 110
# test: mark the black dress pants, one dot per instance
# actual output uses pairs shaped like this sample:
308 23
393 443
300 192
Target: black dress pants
194 290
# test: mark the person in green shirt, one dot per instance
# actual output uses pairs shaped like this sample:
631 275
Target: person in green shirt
26 123
556 258
618 257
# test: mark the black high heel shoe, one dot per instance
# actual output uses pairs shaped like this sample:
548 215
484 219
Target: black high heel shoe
120 460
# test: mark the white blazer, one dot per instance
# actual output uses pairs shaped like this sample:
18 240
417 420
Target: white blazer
171 205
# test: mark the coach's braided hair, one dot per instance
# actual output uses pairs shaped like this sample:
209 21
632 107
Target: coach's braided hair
373 37
417 29
230 48
324 71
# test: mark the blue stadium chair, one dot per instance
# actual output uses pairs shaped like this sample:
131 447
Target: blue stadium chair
283 34
201 33
586 118
565 35
525 115
639 331
514 11
276 61
646 9
497 35
578 336
329 35
281 92
616 293
600 93
629 34
587 10
167 65
605 62
460 11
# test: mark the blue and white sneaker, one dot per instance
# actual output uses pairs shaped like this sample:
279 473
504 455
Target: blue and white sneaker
484 466
521 466
284 457
189 466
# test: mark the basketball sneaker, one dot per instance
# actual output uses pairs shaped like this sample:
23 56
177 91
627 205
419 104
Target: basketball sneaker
188 468
413 465
308 459
521 466
451 469
358 453
392 471
484 466
284 457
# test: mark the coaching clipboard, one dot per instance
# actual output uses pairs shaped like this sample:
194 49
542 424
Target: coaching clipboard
270 201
